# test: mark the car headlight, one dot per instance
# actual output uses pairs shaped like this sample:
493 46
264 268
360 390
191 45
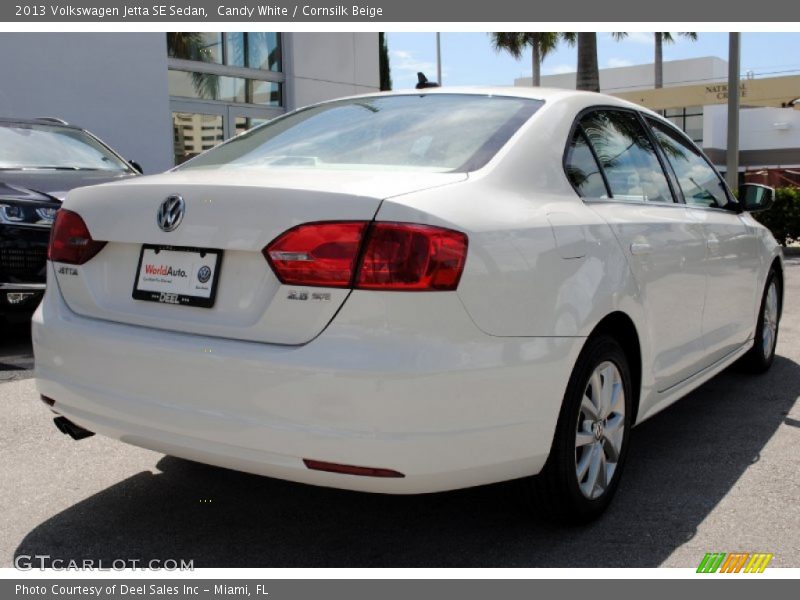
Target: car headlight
46 215
16 214
11 213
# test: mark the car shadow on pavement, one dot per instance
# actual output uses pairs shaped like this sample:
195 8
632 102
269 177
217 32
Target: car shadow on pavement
681 464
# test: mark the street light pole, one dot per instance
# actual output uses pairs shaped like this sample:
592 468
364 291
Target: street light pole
438 58
732 174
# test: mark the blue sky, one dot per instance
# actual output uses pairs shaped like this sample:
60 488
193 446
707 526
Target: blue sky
468 58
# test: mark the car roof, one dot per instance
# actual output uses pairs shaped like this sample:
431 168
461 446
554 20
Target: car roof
546 94
37 121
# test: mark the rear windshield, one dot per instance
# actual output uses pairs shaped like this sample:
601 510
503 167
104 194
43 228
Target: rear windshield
43 147
432 132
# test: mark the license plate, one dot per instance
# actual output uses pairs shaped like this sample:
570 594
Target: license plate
177 275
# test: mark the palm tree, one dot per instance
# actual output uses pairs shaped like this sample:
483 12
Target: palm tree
514 43
384 68
588 77
661 38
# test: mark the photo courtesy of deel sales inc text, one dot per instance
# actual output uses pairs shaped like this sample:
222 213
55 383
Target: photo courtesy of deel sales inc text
395 299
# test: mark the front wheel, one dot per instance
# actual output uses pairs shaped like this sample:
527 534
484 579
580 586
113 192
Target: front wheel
760 357
591 440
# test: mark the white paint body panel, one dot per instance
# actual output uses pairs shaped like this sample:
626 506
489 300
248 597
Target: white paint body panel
452 389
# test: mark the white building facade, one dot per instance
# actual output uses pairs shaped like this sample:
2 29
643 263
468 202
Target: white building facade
161 98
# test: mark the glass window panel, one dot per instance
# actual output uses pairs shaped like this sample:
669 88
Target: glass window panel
263 50
265 92
254 50
674 112
193 133
235 50
678 121
627 156
208 86
693 126
203 47
582 169
694 110
700 183
244 123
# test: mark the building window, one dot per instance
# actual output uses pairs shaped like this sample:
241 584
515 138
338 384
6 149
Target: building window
210 86
689 119
202 47
189 141
254 50
223 82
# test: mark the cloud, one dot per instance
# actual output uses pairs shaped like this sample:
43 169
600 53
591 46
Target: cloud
639 37
558 70
405 61
405 66
619 62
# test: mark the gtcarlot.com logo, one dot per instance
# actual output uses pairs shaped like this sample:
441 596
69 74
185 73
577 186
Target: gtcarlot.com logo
27 562
734 562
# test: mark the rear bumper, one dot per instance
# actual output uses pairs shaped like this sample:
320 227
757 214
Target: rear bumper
449 407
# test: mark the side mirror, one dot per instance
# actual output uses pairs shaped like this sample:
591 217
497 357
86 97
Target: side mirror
136 166
754 197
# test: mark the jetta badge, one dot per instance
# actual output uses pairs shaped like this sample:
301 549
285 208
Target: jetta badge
170 213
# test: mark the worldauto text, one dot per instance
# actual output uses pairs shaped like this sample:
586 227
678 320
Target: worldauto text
187 10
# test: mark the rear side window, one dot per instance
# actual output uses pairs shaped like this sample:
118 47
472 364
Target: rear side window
627 157
700 183
582 168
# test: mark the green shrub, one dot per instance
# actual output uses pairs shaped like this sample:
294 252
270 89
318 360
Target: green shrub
783 219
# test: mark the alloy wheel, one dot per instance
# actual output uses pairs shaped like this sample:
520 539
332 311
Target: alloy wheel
600 430
769 326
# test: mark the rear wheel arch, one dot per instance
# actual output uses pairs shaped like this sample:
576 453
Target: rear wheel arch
620 326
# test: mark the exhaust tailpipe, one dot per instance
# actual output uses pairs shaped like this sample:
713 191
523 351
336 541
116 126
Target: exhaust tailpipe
76 432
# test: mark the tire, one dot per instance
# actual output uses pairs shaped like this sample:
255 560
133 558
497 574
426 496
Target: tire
761 356
564 490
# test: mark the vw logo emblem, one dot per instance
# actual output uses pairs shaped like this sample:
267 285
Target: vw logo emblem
170 213
204 274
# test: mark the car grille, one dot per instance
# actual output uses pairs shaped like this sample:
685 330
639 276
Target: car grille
29 262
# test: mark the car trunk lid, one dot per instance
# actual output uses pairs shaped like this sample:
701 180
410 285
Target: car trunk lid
238 212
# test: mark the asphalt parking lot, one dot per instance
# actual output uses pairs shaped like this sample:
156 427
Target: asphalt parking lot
717 472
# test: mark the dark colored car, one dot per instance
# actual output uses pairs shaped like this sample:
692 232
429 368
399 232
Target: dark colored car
40 161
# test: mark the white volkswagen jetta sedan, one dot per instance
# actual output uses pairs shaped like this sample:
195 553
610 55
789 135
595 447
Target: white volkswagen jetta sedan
410 292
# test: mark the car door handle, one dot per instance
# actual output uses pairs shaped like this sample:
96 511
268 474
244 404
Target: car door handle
712 243
639 248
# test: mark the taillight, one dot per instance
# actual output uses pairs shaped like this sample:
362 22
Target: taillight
70 240
403 256
376 256
317 254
